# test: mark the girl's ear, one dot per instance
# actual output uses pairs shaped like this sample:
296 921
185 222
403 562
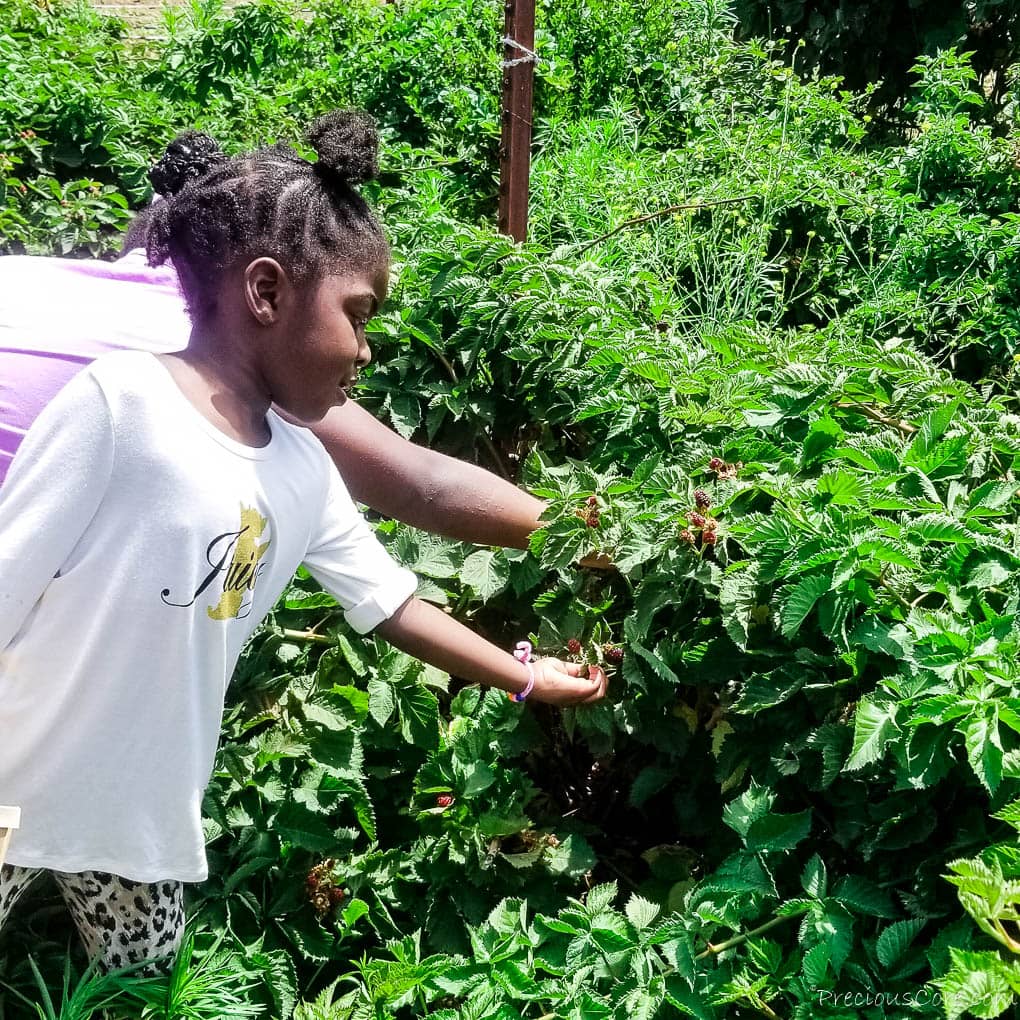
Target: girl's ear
266 289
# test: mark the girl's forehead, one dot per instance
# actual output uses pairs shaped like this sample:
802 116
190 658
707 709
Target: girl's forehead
371 281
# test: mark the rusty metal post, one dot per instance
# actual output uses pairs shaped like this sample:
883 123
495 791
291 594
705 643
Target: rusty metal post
515 145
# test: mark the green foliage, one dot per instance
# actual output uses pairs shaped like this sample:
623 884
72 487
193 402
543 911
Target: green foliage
870 41
734 289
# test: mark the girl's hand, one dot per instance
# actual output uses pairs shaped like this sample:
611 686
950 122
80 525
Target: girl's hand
567 683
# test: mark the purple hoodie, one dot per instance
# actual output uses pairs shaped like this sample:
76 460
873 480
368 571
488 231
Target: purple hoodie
58 315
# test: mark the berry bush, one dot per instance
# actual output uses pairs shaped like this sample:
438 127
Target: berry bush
759 355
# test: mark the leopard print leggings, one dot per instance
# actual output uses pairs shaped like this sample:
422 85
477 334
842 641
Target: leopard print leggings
120 922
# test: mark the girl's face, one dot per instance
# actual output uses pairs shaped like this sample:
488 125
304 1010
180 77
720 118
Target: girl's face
326 345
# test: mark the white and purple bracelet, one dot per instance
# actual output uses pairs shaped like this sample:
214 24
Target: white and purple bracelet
522 653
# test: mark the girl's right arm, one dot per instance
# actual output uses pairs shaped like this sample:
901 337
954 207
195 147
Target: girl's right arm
52 491
431 635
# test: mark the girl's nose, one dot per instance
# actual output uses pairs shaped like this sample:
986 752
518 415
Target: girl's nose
364 355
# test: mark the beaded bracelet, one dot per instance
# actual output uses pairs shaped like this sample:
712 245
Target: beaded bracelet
522 653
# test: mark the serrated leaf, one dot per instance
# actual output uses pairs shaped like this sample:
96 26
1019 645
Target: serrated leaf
814 880
984 748
815 965
798 601
486 572
775 833
896 940
977 983
874 726
641 912
864 897
296 824
381 700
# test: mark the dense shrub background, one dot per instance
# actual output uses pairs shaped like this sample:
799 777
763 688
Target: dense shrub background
816 718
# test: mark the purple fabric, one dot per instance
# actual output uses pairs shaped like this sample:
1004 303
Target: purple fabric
58 315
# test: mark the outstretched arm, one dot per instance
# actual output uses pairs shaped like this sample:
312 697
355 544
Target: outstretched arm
431 635
423 488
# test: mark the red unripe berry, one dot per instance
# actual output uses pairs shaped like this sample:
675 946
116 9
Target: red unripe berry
593 501
573 646
686 536
716 463
708 537
592 520
696 520
702 499
711 524
614 655
336 895
444 800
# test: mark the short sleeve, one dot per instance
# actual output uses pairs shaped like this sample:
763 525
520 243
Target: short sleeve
56 482
347 559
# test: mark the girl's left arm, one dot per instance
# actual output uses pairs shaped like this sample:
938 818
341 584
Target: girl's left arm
431 635
52 491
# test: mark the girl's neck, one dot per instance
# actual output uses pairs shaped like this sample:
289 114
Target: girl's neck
223 385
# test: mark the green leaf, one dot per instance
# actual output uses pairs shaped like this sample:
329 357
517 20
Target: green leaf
896 940
814 881
381 700
486 572
984 747
874 726
296 824
775 833
799 600
610 941
978 983
419 715
641 912
864 897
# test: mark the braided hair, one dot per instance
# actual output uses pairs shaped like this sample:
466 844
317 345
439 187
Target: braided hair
220 210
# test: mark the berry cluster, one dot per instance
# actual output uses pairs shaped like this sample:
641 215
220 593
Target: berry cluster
612 654
724 470
701 524
589 513
323 893
26 134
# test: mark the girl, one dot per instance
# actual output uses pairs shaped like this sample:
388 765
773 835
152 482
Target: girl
154 514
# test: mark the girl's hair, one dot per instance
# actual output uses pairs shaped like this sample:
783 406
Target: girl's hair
220 210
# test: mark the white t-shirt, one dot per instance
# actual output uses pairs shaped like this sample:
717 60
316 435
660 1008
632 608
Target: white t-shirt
139 549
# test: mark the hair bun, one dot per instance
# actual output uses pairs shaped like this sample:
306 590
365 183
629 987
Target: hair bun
188 157
347 144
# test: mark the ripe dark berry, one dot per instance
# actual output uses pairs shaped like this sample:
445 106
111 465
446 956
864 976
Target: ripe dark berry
592 520
336 895
573 646
614 655
697 521
686 536
593 501
444 800
702 499
716 463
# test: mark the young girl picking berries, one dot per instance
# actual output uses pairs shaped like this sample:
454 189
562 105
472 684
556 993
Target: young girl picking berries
155 512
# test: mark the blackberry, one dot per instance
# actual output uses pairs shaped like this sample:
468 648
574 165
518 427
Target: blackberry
573 646
444 800
614 655
702 499
716 464
696 520
686 536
